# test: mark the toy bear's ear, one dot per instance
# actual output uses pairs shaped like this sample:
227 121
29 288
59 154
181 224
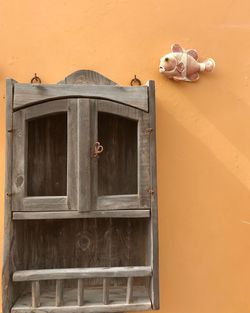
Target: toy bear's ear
193 53
176 48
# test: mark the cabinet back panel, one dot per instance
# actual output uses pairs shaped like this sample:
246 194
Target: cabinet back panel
117 164
46 244
47 156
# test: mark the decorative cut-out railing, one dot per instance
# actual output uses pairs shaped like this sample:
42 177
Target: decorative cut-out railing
59 275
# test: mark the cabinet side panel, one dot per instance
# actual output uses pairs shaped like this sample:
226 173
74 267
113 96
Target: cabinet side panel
7 266
154 207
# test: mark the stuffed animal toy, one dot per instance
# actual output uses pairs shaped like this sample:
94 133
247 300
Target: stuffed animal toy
183 64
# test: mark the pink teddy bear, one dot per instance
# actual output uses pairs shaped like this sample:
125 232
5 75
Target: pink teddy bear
183 64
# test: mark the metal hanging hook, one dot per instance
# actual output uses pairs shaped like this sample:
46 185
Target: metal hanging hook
135 81
36 80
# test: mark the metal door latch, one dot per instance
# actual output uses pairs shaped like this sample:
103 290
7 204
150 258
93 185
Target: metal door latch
97 149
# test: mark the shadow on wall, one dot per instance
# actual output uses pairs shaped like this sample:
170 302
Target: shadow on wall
181 107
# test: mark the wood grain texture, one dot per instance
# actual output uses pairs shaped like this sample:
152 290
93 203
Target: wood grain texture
87 77
19 167
84 157
105 291
72 155
37 173
80 292
59 292
98 308
53 203
93 160
35 285
118 109
75 244
154 208
118 202
74 273
43 109
93 303
141 170
47 155
117 164
8 293
144 160
79 243
79 215
28 95
129 294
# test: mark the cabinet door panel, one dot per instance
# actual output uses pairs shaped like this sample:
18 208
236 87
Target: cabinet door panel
118 164
47 155
121 170
44 157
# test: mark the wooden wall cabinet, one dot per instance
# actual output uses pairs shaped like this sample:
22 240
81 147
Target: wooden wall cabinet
81 229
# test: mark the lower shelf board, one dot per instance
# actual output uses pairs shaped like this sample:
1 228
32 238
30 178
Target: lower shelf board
93 301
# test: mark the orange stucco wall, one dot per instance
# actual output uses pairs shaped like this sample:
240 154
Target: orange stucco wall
203 132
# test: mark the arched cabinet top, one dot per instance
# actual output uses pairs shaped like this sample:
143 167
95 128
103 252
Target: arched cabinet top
87 77
80 84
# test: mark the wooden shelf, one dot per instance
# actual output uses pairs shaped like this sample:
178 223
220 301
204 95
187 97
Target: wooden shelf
82 296
74 273
93 301
135 213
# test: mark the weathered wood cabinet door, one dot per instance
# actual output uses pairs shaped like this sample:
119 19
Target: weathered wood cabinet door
119 166
76 152
44 157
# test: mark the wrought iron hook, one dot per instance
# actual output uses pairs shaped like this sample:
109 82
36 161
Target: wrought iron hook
135 81
36 80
